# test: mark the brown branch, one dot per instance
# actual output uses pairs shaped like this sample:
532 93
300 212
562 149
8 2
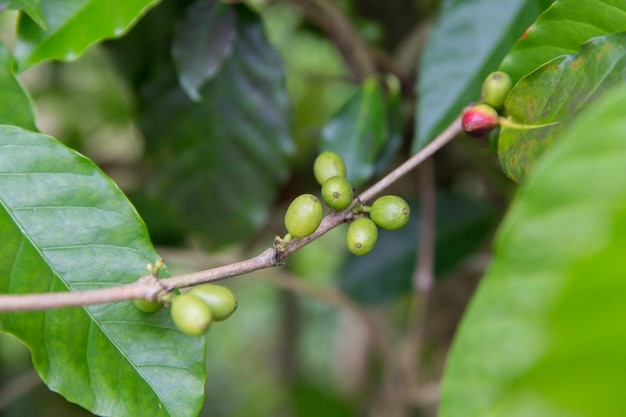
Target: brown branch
142 288
150 288
268 258
336 298
328 17
445 137
423 278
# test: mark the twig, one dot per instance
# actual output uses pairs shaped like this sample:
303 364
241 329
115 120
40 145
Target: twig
330 19
334 297
46 301
445 137
327 295
150 288
423 278
387 65
409 51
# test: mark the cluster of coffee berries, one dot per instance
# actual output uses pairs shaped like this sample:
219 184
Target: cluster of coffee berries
305 212
388 212
194 311
482 118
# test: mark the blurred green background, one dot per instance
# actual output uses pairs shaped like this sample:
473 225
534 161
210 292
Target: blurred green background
297 346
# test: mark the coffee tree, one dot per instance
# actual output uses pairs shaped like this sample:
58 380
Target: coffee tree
293 129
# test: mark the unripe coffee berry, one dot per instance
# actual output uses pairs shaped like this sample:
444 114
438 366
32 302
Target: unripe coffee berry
328 164
496 88
337 193
362 236
303 215
190 314
220 299
479 120
390 212
147 306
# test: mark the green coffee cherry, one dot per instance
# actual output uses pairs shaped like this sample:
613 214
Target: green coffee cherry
479 120
496 88
220 299
303 215
190 314
362 236
390 212
147 306
328 164
337 193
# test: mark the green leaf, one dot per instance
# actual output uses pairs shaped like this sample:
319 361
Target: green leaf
544 100
16 107
543 334
218 163
395 125
73 26
561 30
385 274
359 131
204 39
65 226
33 8
466 44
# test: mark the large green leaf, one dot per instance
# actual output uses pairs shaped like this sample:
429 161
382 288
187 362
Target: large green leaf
65 226
468 41
204 39
16 107
562 29
359 131
386 273
544 335
545 99
218 163
73 26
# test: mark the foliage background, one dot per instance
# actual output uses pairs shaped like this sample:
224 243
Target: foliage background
212 174
101 105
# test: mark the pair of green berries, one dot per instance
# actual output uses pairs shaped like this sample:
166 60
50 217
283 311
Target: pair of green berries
305 212
195 311
479 120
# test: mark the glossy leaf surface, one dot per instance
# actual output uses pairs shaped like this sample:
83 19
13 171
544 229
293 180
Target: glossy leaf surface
561 30
73 26
543 334
65 226
546 99
218 163
467 43
359 131
204 39
16 107
385 274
